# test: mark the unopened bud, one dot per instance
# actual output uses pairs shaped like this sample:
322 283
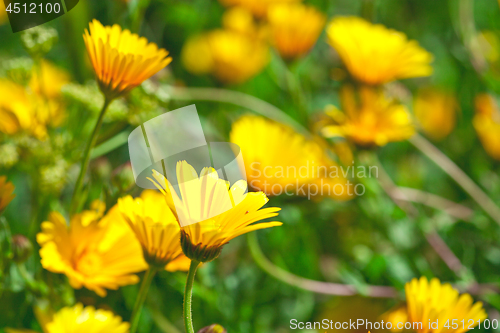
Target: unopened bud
21 248
215 328
39 40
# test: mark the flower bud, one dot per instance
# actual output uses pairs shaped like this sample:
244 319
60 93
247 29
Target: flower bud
39 40
21 248
198 252
215 328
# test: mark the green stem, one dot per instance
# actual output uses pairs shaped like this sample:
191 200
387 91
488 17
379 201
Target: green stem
138 15
86 156
448 166
188 296
319 287
141 297
296 93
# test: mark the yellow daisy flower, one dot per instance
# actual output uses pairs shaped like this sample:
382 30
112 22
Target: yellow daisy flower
294 28
155 227
240 20
79 319
3 13
52 79
121 60
436 112
211 213
94 252
431 300
279 160
230 56
258 7
6 193
487 124
373 121
374 54
396 316
23 111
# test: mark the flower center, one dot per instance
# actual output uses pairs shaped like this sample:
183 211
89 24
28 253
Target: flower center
89 263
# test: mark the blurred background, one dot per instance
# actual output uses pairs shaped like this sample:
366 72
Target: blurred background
368 240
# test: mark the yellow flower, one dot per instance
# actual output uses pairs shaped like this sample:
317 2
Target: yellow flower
239 19
53 79
374 120
6 193
294 28
436 112
121 60
431 300
490 45
94 252
487 124
211 213
79 319
396 316
374 54
22 111
279 160
155 227
230 56
3 13
258 7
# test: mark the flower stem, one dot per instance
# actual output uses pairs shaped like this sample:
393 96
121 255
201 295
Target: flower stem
141 297
458 175
188 296
319 287
86 156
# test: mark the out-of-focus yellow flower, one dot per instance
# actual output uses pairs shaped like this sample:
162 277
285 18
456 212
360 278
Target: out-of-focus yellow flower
155 226
6 193
230 56
487 124
373 120
22 111
3 13
223 212
294 28
279 160
431 300
258 7
399 315
436 112
490 45
52 80
79 319
374 54
94 252
239 19
121 60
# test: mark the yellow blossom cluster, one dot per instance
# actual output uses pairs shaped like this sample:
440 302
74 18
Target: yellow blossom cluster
240 50
33 108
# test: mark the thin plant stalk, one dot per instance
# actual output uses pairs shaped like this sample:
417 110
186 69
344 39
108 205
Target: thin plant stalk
319 287
338 289
448 166
188 297
141 298
86 156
